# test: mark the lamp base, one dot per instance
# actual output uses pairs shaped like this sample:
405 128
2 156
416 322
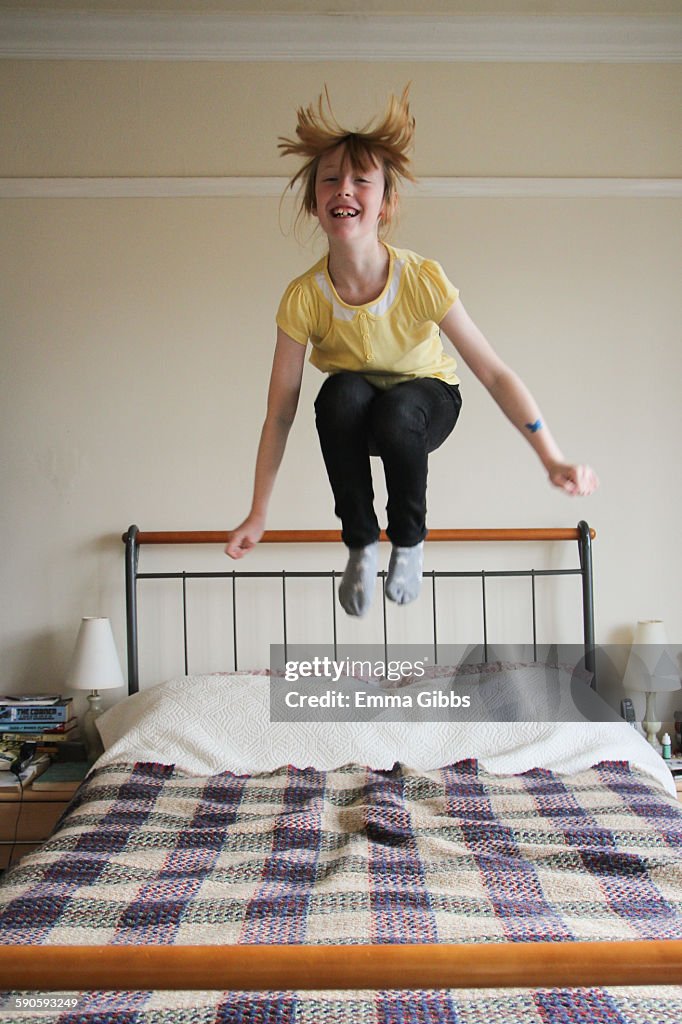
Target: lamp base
93 741
651 724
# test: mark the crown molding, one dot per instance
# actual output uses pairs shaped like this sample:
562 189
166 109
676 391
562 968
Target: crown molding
52 35
264 187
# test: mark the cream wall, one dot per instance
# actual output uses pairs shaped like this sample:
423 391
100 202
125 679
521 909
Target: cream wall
137 333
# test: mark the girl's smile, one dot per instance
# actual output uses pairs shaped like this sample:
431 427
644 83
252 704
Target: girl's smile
344 211
347 195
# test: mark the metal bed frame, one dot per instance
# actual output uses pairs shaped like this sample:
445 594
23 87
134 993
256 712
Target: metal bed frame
300 967
134 539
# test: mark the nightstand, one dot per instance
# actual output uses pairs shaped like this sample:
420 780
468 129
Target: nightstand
33 817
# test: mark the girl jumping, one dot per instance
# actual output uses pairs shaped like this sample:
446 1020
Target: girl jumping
374 315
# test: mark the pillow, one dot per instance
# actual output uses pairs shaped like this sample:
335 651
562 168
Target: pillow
489 692
216 723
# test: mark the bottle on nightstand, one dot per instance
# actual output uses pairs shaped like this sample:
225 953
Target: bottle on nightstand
666 750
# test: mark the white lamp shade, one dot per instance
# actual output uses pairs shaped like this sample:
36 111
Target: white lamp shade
651 632
95 664
650 668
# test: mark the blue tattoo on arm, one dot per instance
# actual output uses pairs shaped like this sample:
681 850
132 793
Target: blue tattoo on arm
534 427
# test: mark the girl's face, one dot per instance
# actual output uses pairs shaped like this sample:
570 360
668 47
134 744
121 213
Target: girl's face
349 202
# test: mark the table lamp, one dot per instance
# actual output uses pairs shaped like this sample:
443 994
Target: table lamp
651 670
94 666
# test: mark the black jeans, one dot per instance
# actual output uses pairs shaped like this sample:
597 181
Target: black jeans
402 425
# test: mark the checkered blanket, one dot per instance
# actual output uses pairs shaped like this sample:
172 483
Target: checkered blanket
147 854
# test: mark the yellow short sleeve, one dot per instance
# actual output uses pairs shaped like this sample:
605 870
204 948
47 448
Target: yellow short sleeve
293 314
434 292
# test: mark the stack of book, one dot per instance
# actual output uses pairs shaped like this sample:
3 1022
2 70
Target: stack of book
47 719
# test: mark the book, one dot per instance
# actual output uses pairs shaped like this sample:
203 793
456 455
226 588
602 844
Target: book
9 781
31 698
38 730
62 776
45 714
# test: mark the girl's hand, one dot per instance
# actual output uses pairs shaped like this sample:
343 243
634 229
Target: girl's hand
576 480
245 537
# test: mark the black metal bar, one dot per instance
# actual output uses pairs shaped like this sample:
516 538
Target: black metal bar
535 631
234 618
184 620
435 617
333 576
585 550
485 616
131 562
445 574
284 613
383 595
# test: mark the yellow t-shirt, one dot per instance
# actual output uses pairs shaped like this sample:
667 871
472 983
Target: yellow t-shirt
392 339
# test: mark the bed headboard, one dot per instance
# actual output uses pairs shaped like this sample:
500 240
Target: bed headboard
134 539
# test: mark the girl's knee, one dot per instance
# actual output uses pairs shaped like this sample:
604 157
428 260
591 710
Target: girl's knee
343 393
396 416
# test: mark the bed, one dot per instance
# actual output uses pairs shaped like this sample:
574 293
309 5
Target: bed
221 863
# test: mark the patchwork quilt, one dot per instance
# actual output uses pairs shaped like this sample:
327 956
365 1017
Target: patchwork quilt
149 854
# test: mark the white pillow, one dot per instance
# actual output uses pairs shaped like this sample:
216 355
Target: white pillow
215 723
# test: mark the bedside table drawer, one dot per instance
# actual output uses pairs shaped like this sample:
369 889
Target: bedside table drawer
8 850
24 826
35 820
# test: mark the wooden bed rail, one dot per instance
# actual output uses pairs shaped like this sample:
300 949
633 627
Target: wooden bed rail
267 968
334 536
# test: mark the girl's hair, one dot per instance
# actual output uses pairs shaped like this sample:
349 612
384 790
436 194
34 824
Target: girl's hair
385 144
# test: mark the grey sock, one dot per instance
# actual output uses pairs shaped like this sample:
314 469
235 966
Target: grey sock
359 579
405 573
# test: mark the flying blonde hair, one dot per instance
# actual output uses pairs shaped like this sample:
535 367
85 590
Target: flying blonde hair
385 144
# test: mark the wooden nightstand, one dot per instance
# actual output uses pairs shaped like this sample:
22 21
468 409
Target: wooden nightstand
33 817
